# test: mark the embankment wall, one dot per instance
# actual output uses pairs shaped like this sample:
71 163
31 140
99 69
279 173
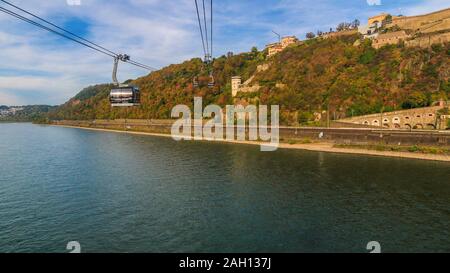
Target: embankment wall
336 135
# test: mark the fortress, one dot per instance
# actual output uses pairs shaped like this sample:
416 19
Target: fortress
383 29
390 38
432 22
238 87
377 19
418 118
421 30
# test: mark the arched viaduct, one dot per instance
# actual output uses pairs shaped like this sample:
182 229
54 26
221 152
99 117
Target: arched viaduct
419 118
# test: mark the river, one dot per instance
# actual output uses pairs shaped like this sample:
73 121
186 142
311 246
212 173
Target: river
116 192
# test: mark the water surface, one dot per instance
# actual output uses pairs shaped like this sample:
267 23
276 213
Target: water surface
128 193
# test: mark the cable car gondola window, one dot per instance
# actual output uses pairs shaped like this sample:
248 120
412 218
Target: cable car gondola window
124 96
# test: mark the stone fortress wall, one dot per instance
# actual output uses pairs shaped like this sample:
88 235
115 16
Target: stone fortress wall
429 40
416 31
424 23
247 87
418 118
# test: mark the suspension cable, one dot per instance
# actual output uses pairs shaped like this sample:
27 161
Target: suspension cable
60 28
211 29
206 31
140 65
77 38
51 30
200 26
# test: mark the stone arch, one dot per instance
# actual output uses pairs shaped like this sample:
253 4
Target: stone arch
366 122
397 125
376 122
431 126
408 126
418 126
396 120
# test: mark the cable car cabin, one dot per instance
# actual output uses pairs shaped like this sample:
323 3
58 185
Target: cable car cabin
195 83
212 82
126 96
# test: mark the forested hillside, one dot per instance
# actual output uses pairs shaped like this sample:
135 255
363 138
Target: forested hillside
319 75
29 113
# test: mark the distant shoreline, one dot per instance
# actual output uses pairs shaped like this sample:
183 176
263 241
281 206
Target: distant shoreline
315 147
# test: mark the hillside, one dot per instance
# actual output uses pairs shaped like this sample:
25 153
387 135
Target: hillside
304 79
25 113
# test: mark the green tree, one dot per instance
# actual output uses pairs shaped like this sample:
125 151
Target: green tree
368 55
356 23
310 35
415 100
254 52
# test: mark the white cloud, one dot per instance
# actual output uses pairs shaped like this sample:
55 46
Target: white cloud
146 30
373 2
40 89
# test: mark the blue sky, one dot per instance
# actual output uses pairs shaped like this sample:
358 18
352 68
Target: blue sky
41 68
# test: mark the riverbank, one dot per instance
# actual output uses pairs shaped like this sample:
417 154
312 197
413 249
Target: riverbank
327 147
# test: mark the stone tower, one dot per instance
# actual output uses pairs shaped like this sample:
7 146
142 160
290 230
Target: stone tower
236 83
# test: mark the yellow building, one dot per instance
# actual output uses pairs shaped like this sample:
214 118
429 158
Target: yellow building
378 19
276 48
287 41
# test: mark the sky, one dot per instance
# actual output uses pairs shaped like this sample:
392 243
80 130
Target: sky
38 67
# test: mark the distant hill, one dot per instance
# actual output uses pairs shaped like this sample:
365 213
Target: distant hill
304 79
29 113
